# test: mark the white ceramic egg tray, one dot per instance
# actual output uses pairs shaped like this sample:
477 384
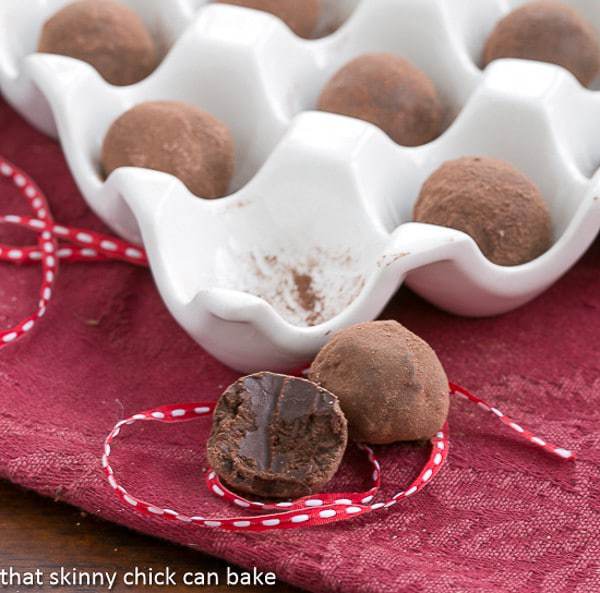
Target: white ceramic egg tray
323 201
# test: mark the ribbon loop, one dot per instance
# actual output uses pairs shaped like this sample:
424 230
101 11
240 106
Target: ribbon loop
317 509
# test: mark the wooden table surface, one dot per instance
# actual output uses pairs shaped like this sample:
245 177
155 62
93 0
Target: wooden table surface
38 533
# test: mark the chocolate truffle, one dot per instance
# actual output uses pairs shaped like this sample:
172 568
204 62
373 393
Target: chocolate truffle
492 202
547 31
390 383
389 92
105 34
176 138
276 436
301 16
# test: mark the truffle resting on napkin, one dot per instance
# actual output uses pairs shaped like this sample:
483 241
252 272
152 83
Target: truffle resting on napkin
390 383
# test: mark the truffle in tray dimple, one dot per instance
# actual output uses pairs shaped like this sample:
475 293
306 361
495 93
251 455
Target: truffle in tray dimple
107 35
301 16
276 436
391 93
547 31
494 203
175 138
390 383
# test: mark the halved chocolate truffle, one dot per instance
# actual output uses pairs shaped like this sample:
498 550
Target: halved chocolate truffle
276 436
301 16
391 93
492 202
175 138
105 34
547 31
390 383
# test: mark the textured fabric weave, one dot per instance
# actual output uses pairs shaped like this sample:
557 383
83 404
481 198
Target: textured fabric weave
501 517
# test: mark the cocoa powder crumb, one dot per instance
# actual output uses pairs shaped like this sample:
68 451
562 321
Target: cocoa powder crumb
306 294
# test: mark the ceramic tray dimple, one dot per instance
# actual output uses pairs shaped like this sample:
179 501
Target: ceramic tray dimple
317 234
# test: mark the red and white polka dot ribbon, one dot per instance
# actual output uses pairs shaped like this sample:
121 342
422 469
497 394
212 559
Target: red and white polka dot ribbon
523 432
317 509
76 245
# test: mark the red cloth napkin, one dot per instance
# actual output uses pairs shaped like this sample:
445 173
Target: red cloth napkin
502 516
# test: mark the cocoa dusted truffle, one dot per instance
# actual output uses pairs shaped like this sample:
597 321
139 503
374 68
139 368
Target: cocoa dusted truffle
547 31
105 34
301 16
276 436
391 93
175 138
390 383
492 202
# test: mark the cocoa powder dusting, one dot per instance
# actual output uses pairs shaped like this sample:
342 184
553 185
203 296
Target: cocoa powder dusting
298 288
308 298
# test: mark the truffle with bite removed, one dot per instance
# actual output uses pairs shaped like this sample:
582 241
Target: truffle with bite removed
276 436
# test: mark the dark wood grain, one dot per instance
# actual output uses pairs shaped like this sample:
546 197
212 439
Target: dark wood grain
36 532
